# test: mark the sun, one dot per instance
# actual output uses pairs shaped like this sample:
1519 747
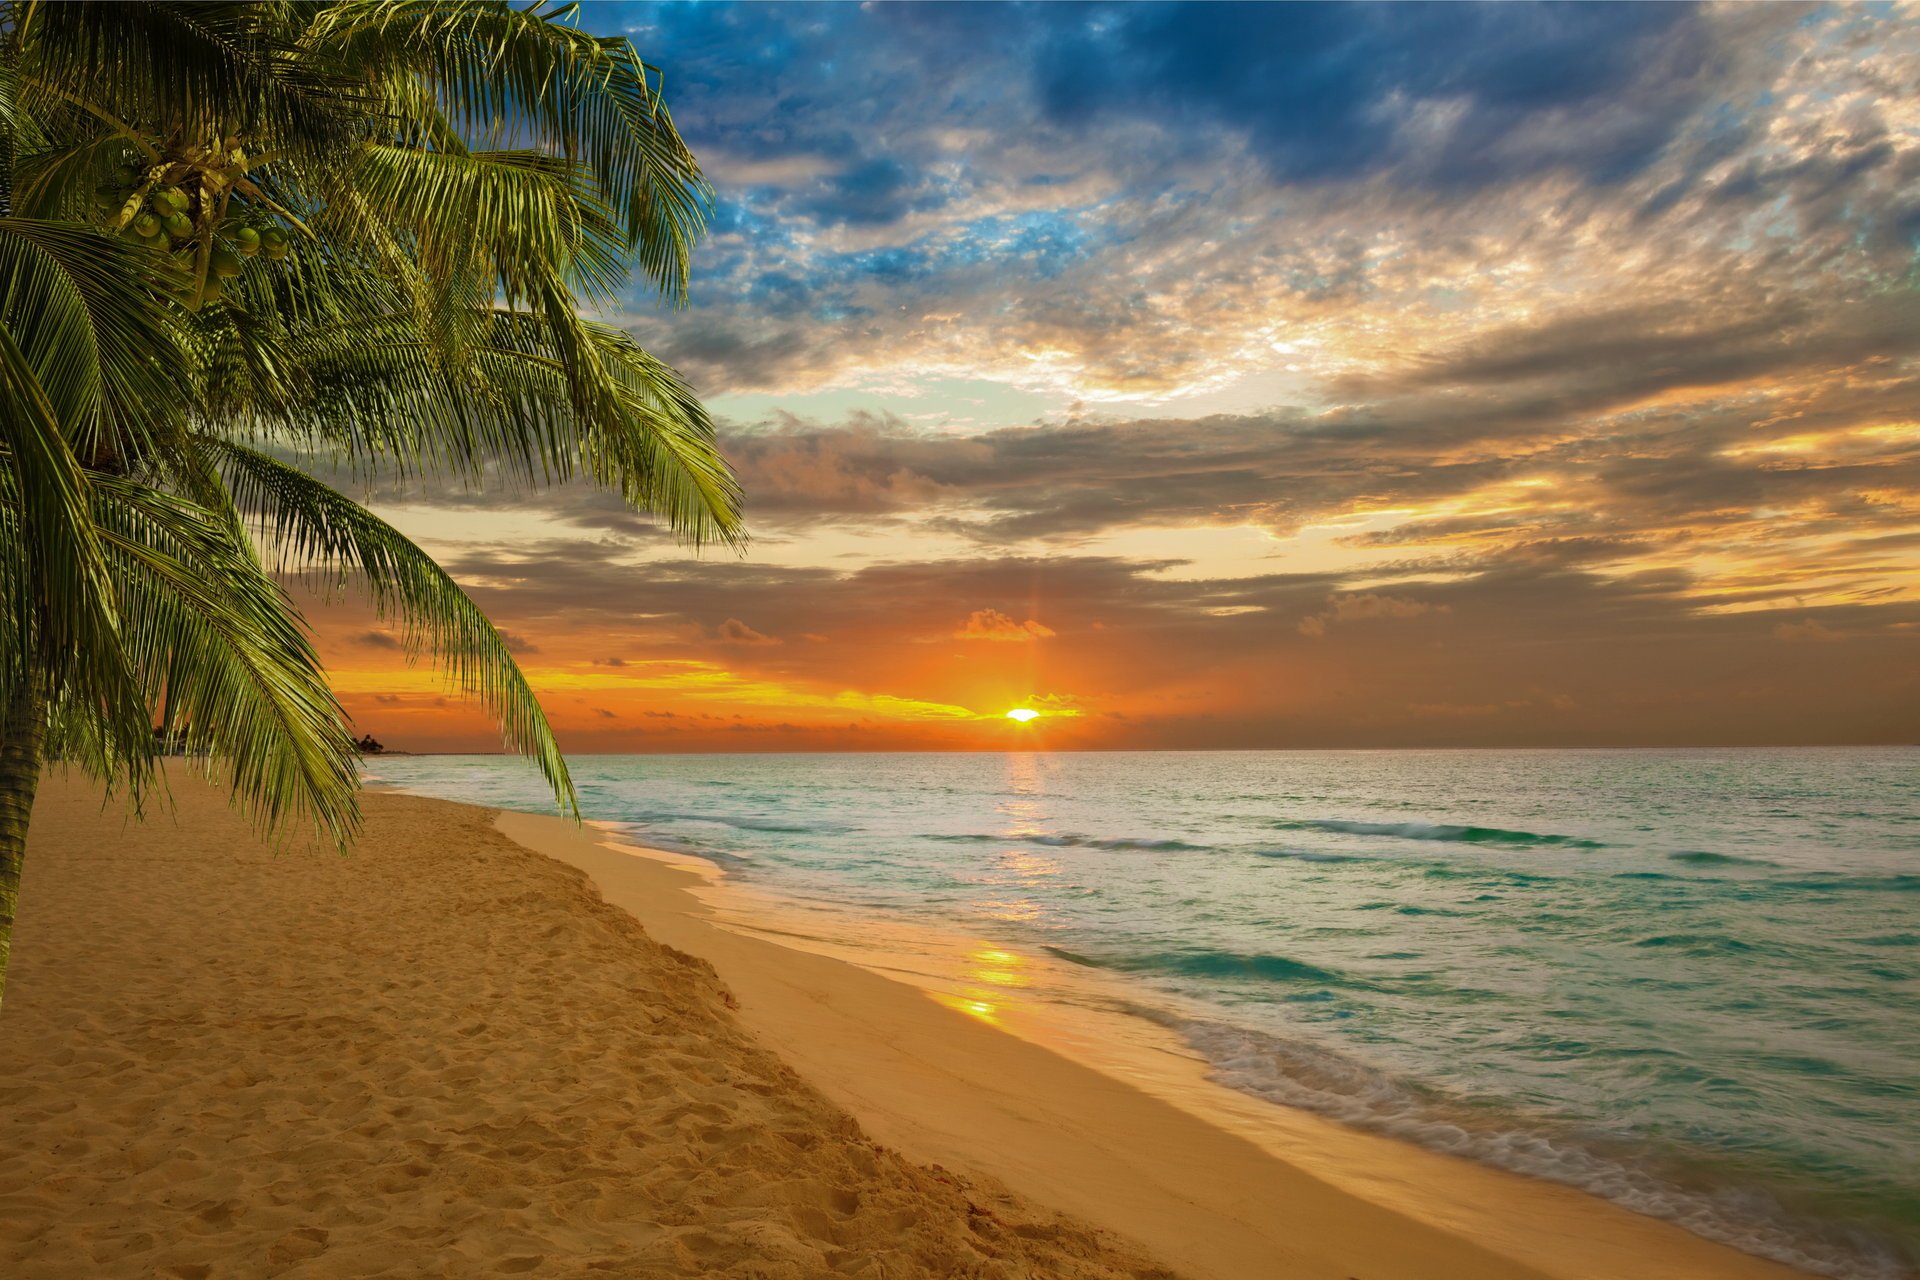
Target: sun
1023 714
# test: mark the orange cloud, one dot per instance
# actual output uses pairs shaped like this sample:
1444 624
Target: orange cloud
1812 629
734 631
991 624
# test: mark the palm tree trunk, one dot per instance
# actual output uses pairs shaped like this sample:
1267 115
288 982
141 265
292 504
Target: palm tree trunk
23 735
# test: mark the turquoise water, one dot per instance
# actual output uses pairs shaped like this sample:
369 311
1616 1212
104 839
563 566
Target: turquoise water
1688 981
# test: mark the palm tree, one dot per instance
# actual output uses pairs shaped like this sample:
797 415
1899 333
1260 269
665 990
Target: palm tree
241 240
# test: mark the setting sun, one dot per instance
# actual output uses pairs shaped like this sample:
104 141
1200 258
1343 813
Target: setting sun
1023 714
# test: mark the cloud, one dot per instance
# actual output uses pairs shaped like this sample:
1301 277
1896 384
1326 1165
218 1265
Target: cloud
1148 200
991 624
1362 607
734 631
379 640
1810 629
1464 95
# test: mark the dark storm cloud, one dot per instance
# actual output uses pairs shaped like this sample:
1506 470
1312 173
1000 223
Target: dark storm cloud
1338 91
1320 91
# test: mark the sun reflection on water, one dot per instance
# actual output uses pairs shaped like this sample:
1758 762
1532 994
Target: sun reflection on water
985 1010
1024 868
996 968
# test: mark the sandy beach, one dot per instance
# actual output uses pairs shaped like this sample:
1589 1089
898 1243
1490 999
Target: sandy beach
488 1044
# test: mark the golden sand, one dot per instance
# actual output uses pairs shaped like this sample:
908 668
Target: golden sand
453 1054
442 1055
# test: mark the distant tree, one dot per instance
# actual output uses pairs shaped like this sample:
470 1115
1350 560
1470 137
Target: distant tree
355 233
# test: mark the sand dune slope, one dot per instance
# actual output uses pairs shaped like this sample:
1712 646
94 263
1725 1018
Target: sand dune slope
442 1055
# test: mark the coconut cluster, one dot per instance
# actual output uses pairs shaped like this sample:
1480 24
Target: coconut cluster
165 221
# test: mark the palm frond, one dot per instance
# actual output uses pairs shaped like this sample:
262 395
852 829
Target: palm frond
383 402
227 661
515 219
202 70
109 354
320 530
61 625
509 76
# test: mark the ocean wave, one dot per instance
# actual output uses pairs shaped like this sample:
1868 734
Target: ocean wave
1702 858
787 827
1750 1218
1442 831
1144 844
1211 964
652 839
1497 875
1697 944
1307 855
1833 881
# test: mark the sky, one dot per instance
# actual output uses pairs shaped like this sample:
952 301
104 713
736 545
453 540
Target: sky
1241 376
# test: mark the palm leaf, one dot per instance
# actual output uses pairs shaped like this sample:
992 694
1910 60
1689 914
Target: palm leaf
319 529
61 625
516 76
226 660
383 401
197 70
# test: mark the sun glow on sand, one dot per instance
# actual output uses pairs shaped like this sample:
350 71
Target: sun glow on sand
1023 714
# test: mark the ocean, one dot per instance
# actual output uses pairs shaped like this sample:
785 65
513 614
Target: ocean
1685 980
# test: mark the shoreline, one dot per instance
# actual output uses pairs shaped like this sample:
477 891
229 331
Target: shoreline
1112 1132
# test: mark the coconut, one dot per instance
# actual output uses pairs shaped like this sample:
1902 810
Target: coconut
246 241
226 262
170 200
178 225
146 226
